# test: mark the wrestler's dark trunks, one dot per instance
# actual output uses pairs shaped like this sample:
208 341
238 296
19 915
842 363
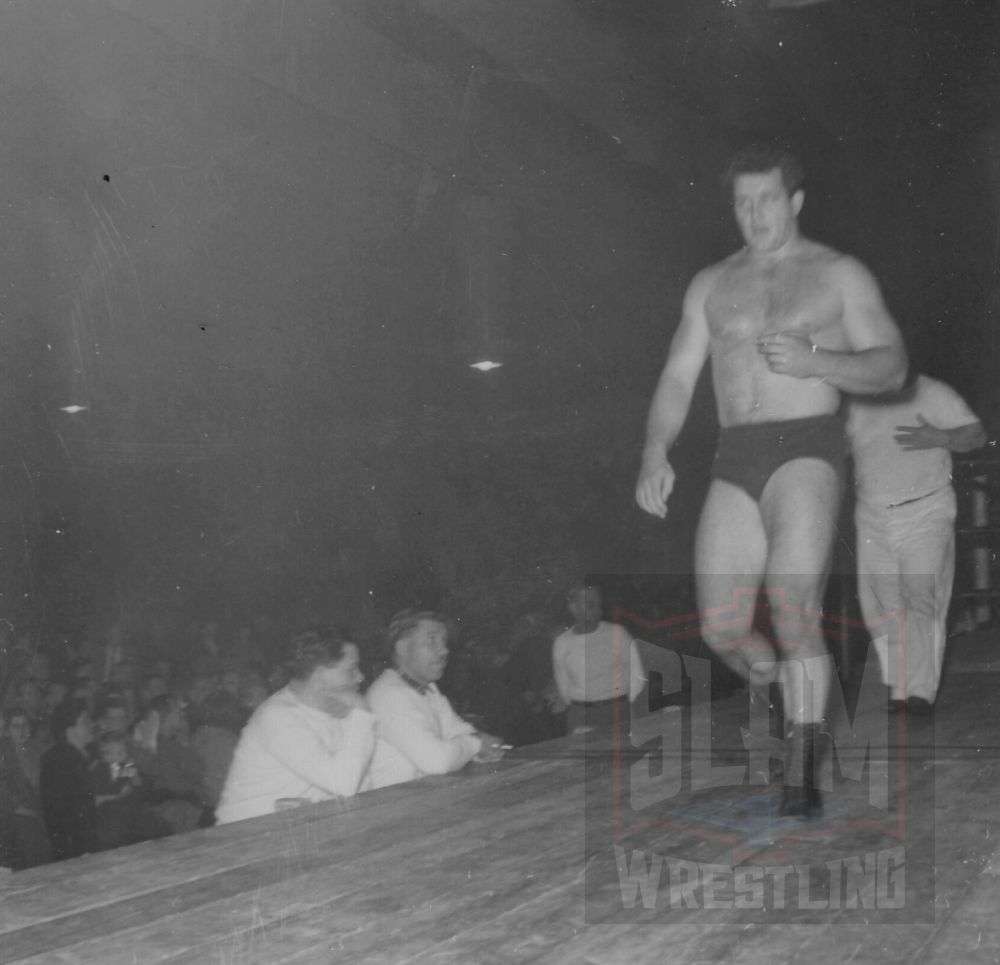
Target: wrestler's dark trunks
748 455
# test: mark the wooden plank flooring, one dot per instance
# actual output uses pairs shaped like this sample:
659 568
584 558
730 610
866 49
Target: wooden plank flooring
516 863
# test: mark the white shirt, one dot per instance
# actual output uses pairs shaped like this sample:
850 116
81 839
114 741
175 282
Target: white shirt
599 665
421 732
885 474
289 749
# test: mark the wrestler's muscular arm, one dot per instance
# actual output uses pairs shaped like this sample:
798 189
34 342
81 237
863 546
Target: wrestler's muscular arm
672 399
875 359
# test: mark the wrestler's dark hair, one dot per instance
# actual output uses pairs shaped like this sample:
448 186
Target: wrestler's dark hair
319 646
405 622
65 716
761 157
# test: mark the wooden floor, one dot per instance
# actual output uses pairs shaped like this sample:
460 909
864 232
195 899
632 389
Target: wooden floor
518 862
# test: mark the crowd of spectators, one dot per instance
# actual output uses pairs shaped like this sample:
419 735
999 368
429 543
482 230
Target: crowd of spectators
90 762
147 748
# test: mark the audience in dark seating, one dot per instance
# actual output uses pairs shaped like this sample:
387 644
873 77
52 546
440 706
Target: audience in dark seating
215 741
535 709
171 767
23 838
89 760
122 814
68 806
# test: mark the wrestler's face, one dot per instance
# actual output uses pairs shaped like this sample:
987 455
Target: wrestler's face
423 653
766 214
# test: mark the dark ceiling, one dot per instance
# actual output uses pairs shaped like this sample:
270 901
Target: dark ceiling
261 245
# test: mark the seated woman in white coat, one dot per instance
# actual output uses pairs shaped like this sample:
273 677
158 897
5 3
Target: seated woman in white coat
311 741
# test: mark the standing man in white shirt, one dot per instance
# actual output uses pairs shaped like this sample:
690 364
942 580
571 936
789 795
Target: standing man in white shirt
905 519
423 733
596 664
311 741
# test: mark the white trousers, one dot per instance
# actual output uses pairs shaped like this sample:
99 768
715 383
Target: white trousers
906 567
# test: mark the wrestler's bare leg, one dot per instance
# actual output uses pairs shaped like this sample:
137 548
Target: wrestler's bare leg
799 508
731 558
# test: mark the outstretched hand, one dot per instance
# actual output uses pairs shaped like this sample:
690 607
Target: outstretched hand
788 353
921 436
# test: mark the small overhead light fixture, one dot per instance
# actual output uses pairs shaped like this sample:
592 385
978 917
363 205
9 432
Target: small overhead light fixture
485 366
73 409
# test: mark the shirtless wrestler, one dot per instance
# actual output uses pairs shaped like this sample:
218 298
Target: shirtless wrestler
789 324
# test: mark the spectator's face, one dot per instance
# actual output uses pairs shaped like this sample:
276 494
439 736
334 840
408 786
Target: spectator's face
114 752
155 687
54 695
343 676
423 654
84 728
231 682
114 721
585 605
171 720
19 729
85 690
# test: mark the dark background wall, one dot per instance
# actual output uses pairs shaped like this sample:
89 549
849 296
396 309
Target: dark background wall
261 242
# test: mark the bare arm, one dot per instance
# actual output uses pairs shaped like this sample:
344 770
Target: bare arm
672 398
875 359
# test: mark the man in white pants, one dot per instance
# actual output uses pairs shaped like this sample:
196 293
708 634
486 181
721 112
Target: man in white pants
905 518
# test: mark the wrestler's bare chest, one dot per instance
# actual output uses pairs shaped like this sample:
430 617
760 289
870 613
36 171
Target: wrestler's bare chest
747 301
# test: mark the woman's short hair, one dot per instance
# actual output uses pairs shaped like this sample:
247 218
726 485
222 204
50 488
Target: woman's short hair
320 646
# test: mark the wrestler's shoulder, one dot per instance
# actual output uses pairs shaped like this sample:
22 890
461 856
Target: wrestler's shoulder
838 265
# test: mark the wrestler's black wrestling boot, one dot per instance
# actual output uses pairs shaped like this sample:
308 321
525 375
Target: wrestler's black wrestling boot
804 746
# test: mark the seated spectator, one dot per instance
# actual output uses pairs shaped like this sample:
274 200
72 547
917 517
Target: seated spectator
25 842
596 665
153 685
171 767
68 806
28 695
122 815
424 734
215 741
199 689
311 741
55 693
84 688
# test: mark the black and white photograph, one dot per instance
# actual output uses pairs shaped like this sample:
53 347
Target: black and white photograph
499 482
